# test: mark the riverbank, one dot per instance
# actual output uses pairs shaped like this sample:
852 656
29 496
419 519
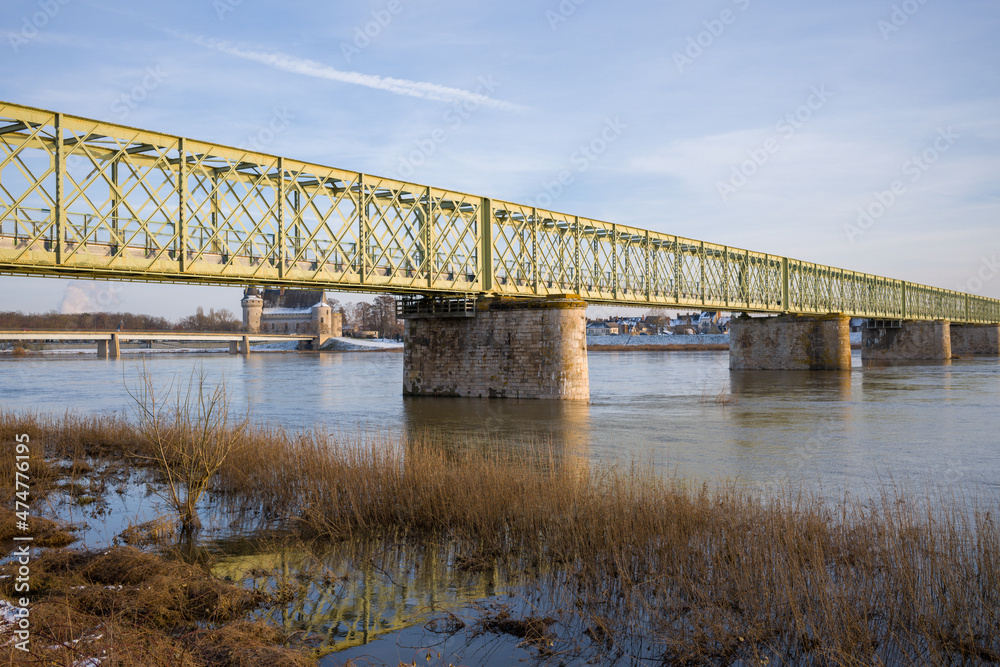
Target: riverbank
675 343
623 564
341 344
658 348
626 342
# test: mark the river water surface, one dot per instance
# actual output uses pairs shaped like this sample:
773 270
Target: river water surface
686 412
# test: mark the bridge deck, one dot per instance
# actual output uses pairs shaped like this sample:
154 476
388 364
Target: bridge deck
85 198
148 336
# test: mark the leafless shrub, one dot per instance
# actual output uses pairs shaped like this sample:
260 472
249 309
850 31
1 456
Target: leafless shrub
189 438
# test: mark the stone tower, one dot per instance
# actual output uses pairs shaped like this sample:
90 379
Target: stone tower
253 306
322 321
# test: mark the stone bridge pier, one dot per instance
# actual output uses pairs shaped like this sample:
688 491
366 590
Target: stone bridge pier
808 342
790 343
496 348
906 340
974 339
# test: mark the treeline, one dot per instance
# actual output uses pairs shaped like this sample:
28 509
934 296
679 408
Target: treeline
53 321
213 320
378 316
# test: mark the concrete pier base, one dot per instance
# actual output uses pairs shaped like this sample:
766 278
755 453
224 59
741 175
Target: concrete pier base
790 343
905 340
234 347
968 339
109 349
245 346
504 348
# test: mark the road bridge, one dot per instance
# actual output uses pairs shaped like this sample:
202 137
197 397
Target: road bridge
85 198
109 342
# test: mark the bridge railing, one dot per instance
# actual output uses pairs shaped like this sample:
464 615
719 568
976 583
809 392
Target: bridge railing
79 197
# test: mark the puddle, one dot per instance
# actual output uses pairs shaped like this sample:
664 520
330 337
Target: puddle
373 602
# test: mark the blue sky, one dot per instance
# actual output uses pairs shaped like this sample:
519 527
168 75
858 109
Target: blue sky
863 135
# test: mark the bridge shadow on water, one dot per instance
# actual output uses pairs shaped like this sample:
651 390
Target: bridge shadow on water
897 363
553 432
792 385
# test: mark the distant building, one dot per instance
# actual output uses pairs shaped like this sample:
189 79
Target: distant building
708 321
602 328
281 311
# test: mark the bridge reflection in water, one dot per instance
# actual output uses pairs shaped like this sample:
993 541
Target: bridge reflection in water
790 388
556 431
350 594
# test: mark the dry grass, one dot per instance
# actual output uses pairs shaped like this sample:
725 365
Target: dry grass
70 438
44 532
130 608
723 396
644 567
693 576
43 478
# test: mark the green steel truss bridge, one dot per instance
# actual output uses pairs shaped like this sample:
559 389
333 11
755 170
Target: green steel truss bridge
88 199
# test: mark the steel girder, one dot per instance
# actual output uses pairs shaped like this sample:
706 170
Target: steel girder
85 198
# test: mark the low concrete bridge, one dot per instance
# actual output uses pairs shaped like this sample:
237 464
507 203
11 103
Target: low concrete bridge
109 342
503 285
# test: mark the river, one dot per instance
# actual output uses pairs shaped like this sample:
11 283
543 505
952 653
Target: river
932 424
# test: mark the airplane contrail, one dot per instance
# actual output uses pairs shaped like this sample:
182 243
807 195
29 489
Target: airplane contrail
305 67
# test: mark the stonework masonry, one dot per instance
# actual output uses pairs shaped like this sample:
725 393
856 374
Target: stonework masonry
790 342
524 348
253 306
975 339
318 320
909 341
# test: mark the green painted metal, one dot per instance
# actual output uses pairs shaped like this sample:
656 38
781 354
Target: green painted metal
85 198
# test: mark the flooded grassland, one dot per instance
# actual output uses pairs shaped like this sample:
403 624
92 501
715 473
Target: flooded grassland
488 532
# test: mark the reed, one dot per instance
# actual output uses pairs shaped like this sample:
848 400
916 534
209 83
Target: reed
133 609
648 568
690 574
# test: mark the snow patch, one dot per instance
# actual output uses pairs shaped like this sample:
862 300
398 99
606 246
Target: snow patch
342 343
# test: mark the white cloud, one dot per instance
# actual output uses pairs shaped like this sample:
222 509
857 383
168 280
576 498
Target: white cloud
89 298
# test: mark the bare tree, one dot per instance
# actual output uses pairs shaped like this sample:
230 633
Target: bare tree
189 437
214 320
385 313
659 317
